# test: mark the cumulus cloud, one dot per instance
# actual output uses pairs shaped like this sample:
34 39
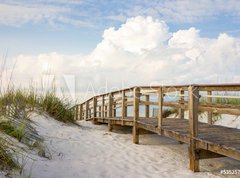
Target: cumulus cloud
146 34
142 52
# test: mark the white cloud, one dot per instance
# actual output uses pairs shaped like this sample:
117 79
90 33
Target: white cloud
138 34
141 52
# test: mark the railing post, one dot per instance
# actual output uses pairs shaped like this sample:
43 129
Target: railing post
76 112
181 102
123 106
94 107
110 105
103 107
99 111
136 99
160 107
94 110
193 92
81 112
114 109
87 108
147 106
209 100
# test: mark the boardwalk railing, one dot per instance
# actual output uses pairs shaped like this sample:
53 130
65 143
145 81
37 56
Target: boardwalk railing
132 106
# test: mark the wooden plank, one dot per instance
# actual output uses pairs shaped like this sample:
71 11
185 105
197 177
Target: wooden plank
160 107
76 112
148 103
87 110
94 107
147 107
206 154
123 106
193 127
209 100
110 105
129 103
136 100
103 107
81 112
99 111
181 102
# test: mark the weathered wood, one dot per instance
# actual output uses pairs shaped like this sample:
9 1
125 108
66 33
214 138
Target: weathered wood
110 126
123 106
110 105
148 103
103 107
81 112
87 110
205 140
94 107
160 107
205 154
181 102
209 100
99 111
114 109
75 110
136 100
147 107
193 126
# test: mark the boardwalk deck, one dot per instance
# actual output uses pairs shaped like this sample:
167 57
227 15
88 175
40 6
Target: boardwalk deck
205 140
222 138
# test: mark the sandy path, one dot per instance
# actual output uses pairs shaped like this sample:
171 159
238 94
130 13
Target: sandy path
91 151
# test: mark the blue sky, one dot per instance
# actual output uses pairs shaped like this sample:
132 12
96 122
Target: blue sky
120 43
76 26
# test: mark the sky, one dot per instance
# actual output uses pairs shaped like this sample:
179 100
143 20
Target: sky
110 44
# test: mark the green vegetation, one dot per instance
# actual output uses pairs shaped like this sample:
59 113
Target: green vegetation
169 111
16 132
19 103
6 160
16 106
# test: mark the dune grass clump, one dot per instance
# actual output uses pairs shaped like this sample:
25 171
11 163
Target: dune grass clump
16 107
59 109
20 103
13 131
6 158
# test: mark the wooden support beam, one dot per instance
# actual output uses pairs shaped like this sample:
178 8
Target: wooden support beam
193 92
160 107
87 110
209 114
126 107
110 105
147 107
76 112
114 109
123 106
136 99
181 102
81 112
105 111
99 111
205 154
103 107
94 107
94 114
110 126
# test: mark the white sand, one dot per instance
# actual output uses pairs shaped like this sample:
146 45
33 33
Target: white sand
91 151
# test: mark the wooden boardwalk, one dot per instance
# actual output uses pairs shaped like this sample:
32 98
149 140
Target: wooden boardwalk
205 140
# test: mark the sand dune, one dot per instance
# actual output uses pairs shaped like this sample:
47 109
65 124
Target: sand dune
91 151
